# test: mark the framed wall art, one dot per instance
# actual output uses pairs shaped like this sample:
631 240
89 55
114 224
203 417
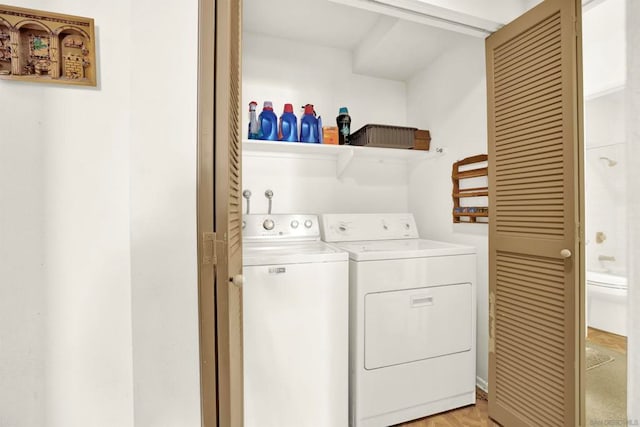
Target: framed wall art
46 47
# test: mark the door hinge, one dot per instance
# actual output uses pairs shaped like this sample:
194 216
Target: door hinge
209 255
492 322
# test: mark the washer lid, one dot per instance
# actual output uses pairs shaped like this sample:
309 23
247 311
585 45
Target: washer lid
374 250
269 253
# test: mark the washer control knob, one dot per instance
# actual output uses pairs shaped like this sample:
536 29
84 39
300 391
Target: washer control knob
308 223
295 223
407 226
268 224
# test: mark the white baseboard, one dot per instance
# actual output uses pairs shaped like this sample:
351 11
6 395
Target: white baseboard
482 384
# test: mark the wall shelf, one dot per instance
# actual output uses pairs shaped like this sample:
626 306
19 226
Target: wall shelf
468 213
343 154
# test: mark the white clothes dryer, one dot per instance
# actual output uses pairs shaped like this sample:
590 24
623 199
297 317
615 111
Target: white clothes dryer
412 333
295 315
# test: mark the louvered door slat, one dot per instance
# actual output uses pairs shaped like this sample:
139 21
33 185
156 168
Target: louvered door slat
531 280
528 406
534 44
533 112
534 66
550 365
540 104
541 154
541 148
511 364
515 105
543 188
532 329
512 286
543 48
550 181
535 285
235 182
547 365
529 90
542 127
530 272
514 47
530 143
522 116
542 169
541 78
545 160
532 94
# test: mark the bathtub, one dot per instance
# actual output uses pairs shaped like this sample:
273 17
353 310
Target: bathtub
607 302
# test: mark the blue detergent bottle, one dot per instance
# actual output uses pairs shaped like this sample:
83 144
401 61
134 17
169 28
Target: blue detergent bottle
288 126
268 123
309 126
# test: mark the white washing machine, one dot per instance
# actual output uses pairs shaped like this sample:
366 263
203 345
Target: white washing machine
295 314
412 319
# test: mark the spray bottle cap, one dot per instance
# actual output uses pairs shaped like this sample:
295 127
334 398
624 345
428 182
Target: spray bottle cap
308 109
343 110
268 105
253 105
288 108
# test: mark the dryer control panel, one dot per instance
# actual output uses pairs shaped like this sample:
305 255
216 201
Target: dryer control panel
280 227
356 227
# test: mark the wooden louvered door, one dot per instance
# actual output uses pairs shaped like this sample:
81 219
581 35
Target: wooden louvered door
228 211
219 213
205 209
535 191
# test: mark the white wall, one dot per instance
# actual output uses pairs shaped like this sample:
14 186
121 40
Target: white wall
449 98
163 213
86 217
310 185
285 71
604 120
604 54
632 111
22 287
604 51
97 215
76 143
605 184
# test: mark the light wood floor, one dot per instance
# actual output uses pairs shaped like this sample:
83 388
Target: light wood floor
605 339
478 414
470 416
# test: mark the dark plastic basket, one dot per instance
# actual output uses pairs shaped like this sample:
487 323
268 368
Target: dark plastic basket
383 136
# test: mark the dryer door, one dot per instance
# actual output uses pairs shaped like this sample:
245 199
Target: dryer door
415 324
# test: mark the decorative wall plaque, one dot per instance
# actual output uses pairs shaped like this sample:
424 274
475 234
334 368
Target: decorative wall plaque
46 47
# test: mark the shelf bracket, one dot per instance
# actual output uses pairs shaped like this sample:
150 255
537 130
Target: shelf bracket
343 161
437 152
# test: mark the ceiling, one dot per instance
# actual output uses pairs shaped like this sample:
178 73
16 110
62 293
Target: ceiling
398 49
502 11
309 21
382 46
